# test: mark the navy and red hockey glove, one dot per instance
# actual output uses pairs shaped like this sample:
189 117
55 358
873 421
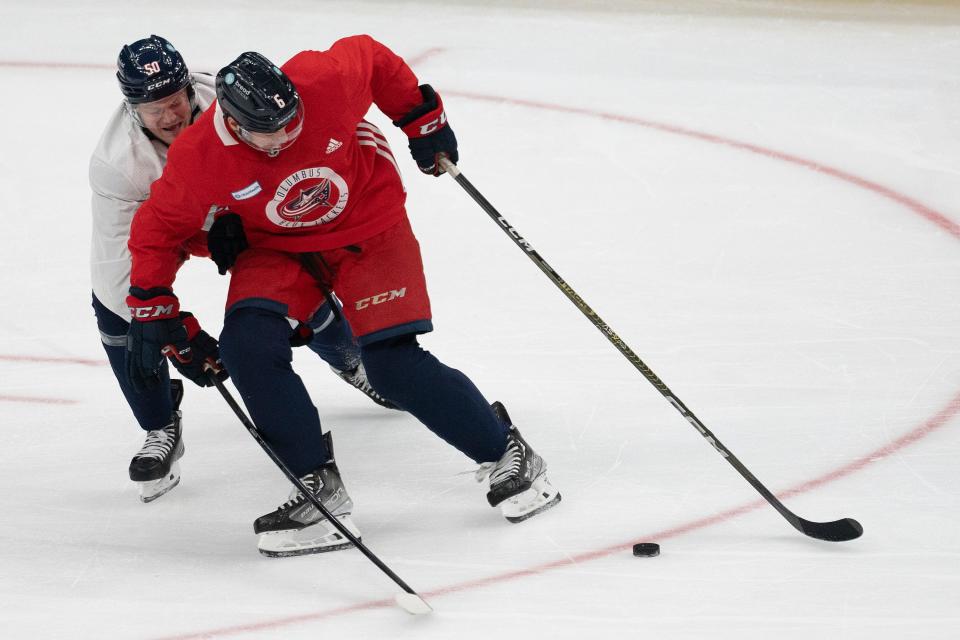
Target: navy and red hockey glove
159 328
226 240
429 132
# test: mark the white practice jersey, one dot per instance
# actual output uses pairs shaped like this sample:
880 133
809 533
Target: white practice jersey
124 165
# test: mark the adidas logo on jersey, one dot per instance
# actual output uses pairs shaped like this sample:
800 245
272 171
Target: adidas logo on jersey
333 145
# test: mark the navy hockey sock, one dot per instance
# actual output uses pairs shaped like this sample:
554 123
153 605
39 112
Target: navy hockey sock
442 398
152 408
333 340
255 347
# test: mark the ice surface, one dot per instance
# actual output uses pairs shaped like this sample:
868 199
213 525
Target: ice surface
762 203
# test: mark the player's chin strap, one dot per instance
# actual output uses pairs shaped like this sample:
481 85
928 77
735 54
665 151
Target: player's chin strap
836 531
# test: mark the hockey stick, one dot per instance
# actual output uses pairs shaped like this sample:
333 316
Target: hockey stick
836 531
409 600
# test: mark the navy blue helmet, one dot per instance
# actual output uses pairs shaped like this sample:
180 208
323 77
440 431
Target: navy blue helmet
151 69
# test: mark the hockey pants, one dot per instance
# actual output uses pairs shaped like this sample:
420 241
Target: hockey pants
255 347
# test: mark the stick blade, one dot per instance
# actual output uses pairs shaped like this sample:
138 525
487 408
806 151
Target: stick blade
412 603
836 531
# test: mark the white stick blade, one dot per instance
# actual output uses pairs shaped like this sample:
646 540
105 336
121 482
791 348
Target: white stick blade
412 603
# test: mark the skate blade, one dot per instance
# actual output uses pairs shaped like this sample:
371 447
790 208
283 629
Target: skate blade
319 537
153 489
535 500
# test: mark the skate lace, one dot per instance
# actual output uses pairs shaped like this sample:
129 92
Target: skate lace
358 378
312 482
508 465
483 471
159 442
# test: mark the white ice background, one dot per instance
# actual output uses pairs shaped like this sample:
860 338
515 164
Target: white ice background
760 198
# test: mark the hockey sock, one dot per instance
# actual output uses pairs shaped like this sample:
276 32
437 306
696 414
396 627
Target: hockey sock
442 398
255 346
333 340
152 408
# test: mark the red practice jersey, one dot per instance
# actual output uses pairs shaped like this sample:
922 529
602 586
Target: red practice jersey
336 185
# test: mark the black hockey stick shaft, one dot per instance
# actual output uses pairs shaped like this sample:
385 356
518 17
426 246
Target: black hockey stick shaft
836 531
252 429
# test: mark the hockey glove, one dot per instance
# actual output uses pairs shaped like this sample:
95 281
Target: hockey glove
302 335
430 134
159 328
226 240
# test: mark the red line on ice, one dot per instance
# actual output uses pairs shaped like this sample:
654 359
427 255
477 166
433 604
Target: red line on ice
418 59
53 359
36 64
422 57
942 417
917 207
6 398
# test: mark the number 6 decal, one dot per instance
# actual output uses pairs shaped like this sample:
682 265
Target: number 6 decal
279 100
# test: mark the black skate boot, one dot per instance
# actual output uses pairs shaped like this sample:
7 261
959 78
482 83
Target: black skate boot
518 481
357 377
297 527
155 467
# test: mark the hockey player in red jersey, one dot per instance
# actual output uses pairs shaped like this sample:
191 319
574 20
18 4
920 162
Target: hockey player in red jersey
161 99
287 155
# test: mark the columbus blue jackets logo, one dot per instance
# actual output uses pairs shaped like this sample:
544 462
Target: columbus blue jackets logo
308 198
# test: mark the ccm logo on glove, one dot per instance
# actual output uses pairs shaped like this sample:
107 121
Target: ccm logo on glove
433 125
159 311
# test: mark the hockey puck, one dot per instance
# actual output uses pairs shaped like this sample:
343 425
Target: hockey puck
646 549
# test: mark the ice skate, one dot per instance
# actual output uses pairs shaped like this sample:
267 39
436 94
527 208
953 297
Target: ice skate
518 481
155 468
297 527
357 377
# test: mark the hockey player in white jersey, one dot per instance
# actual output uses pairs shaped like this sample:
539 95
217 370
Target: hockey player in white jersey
161 99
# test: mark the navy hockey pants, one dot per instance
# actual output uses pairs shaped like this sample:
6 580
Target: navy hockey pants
333 342
152 408
255 347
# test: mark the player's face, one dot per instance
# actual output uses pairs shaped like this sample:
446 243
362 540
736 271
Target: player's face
274 142
168 117
268 142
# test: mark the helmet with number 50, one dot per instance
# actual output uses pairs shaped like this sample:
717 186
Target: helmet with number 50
158 87
260 103
151 69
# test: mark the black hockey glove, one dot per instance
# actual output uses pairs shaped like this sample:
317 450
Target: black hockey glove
302 335
427 150
226 240
430 134
159 328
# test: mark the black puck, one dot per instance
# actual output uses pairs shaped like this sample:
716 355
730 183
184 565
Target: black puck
646 549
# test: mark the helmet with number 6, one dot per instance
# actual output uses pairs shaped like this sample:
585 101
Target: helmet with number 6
257 94
262 101
151 69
